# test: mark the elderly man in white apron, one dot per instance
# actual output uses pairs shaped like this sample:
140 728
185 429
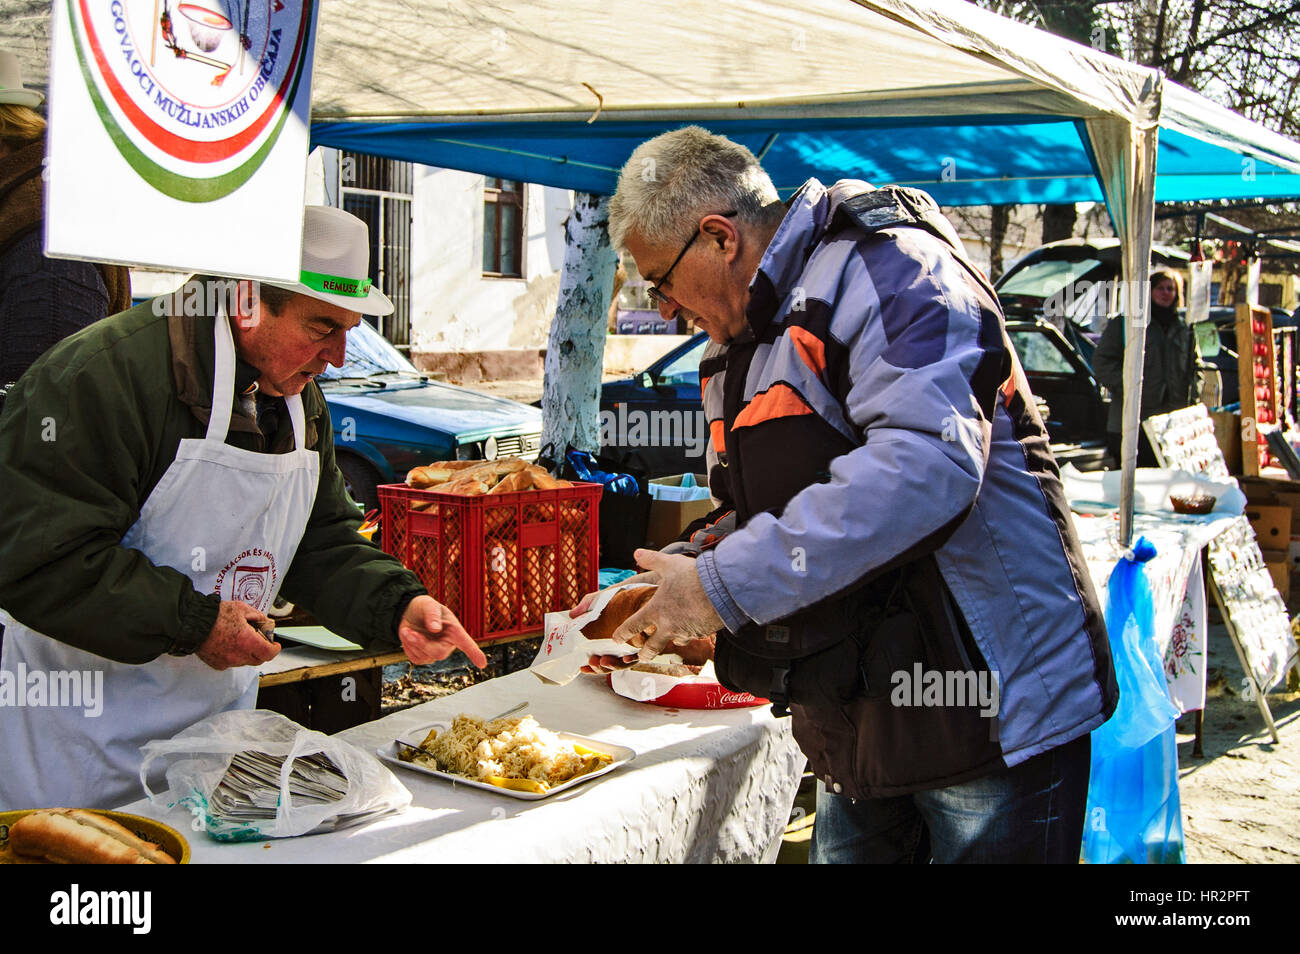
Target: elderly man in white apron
250 510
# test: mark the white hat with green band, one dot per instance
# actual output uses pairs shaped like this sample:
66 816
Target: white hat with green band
12 90
336 262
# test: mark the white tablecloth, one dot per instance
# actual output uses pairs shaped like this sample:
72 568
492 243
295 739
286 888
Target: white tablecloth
704 786
1176 587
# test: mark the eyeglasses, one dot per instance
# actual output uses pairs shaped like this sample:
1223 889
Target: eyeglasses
653 292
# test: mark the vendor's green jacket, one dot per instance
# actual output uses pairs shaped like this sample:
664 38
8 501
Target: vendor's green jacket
87 433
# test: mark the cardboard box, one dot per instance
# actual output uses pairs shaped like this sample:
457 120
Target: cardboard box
1272 526
1279 567
668 518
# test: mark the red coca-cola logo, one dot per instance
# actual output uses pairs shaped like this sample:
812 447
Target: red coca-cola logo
726 698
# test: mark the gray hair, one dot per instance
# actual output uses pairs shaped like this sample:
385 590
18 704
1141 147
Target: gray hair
672 181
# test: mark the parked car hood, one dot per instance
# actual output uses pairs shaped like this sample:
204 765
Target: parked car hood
432 404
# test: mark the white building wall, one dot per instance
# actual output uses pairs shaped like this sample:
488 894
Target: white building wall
453 306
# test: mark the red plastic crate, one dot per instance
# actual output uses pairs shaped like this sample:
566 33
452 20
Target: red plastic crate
498 561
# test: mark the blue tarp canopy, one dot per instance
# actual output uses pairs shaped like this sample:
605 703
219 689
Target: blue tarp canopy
991 160
942 95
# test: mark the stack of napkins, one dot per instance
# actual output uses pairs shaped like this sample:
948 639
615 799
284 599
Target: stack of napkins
250 790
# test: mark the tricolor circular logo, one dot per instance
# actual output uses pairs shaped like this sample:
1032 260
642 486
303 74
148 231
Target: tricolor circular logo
193 94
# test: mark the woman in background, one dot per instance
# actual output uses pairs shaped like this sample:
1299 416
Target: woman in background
1171 376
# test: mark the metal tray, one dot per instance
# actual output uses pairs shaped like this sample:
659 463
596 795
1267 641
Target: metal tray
621 753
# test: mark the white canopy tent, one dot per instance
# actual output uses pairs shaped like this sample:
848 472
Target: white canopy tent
942 95
769 62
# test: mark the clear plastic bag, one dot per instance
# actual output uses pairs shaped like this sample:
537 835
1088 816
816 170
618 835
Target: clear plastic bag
199 757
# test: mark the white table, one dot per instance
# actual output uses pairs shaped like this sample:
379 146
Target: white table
1176 587
704 786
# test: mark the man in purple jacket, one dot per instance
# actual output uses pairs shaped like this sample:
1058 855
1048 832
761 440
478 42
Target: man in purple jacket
894 562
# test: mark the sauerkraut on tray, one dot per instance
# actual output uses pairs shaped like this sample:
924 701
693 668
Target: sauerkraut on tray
513 756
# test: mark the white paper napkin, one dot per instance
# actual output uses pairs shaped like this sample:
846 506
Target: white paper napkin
564 650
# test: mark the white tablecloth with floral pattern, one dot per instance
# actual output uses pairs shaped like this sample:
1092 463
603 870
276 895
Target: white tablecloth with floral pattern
1177 586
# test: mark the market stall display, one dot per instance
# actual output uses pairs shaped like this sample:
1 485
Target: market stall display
1258 376
1256 618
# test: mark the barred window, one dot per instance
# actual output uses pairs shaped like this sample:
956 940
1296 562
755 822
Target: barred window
378 191
503 228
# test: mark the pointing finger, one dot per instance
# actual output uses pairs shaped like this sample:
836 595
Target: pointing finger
462 640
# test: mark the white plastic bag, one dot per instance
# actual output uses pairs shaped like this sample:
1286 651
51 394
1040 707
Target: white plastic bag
197 759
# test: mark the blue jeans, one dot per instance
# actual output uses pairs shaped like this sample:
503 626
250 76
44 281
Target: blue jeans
1030 814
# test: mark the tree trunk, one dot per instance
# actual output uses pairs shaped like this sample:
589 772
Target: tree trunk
576 350
999 218
1058 222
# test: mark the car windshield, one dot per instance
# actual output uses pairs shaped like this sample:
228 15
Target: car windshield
685 368
369 354
1038 353
1045 278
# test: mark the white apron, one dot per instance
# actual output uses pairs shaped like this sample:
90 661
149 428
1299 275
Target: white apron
230 520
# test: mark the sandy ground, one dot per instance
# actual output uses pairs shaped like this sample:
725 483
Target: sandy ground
1241 802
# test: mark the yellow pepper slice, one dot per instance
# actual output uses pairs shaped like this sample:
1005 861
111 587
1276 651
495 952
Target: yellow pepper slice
600 757
517 784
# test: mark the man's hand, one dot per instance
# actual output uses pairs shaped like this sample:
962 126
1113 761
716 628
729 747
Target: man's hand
600 664
429 632
584 604
236 640
679 611
603 664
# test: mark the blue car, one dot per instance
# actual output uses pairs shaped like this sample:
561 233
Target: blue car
389 417
653 422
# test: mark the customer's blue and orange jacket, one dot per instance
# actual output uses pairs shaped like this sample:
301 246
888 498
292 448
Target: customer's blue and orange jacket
874 414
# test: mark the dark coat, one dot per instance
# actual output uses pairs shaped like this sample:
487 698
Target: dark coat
86 435
43 300
1171 378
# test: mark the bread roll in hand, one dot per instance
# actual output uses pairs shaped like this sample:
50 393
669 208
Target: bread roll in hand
624 604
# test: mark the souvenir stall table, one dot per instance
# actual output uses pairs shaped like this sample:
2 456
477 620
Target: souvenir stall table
1133 791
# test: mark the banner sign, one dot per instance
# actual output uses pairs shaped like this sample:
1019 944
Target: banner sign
1198 291
179 133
